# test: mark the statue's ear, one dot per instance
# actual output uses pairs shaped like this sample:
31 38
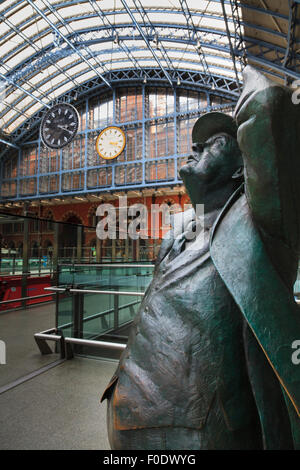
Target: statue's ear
239 173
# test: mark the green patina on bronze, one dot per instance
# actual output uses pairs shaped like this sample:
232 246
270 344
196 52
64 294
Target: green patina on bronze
208 362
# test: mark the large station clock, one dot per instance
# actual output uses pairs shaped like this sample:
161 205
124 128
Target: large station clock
110 142
59 125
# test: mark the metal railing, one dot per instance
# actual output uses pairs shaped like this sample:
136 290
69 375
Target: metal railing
66 343
66 350
24 298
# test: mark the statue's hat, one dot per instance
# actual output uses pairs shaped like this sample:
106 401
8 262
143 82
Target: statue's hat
213 123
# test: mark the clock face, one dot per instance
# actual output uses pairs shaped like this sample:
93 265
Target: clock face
59 125
110 142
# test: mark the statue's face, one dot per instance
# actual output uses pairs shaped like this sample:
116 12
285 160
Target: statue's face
211 165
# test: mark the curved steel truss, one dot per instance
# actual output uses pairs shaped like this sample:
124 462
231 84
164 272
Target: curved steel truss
65 50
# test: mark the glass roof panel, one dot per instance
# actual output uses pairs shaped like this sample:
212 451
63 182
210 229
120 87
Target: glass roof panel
20 15
61 55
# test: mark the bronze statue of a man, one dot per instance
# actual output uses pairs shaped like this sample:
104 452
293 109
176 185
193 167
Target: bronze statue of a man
208 362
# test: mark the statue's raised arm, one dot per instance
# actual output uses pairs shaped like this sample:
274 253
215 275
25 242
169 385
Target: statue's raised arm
261 231
268 136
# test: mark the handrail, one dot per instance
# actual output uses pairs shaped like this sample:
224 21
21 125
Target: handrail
24 298
99 315
56 289
41 338
98 344
92 291
110 265
89 291
7 273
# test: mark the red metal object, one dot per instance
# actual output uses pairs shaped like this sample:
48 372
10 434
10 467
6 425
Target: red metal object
11 288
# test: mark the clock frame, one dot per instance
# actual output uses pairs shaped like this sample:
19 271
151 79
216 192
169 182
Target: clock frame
59 125
113 148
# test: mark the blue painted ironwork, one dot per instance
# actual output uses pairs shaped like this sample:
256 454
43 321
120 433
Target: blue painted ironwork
43 174
148 43
46 56
60 34
76 37
195 36
112 12
5 142
237 36
106 22
189 79
21 74
289 60
239 43
284 60
35 98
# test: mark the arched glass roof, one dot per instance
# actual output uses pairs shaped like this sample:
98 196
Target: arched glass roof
60 50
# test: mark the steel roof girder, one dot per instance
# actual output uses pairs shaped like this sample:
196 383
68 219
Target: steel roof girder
172 11
8 80
146 41
193 35
219 33
33 45
224 85
52 25
151 31
236 48
289 57
105 20
75 35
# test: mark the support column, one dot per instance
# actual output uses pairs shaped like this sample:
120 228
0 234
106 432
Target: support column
79 242
137 250
55 253
25 266
113 249
98 250
126 249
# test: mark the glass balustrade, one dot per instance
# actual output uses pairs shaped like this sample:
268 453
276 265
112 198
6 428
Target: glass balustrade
100 300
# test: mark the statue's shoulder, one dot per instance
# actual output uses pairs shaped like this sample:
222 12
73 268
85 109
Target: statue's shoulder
237 198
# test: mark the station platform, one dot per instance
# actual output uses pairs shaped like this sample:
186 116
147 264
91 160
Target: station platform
45 402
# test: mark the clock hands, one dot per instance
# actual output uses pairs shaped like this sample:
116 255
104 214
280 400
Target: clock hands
64 128
59 125
110 142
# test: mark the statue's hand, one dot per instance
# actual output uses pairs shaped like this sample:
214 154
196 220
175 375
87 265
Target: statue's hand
254 83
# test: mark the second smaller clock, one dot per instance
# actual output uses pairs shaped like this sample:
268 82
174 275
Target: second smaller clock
110 142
